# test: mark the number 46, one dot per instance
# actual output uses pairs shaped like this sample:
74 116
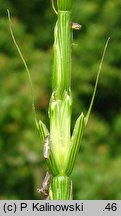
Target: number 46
111 207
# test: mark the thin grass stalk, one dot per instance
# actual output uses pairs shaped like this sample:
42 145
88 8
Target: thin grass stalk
61 102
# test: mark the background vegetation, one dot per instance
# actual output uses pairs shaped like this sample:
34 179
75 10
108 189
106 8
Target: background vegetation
97 173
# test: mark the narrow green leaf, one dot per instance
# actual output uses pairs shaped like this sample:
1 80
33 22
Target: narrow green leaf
96 83
75 144
43 131
26 67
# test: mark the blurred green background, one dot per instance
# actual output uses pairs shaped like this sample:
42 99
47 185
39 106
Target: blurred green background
97 172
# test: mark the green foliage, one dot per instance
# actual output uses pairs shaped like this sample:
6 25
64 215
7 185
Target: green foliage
97 172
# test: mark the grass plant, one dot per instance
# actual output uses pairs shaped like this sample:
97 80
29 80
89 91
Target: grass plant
60 146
